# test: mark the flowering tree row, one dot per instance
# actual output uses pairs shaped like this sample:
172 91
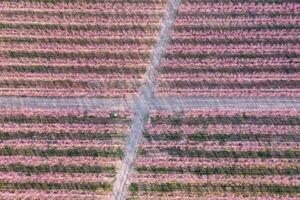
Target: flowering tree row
60 149
192 163
60 160
104 47
62 144
226 116
217 63
227 129
215 179
89 33
111 5
79 18
234 42
230 92
217 196
39 112
228 76
60 92
71 76
37 194
39 128
236 35
241 7
217 146
14 177
70 47
241 22
234 49
251 152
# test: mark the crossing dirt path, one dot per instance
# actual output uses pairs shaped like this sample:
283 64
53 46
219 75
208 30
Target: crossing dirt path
142 105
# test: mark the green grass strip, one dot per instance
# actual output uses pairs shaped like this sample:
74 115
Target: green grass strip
177 152
201 188
8 151
234 120
177 136
232 27
80 41
259 171
274 84
76 55
89 84
82 27
55 186
61 136
62 119
286 69
73 69
57 168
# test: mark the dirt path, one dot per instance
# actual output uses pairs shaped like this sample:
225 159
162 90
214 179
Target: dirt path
143 104
184 103
84 103
168 103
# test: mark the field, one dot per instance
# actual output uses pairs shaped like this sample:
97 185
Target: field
76 49
210 154
233 48
60 153
150 99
